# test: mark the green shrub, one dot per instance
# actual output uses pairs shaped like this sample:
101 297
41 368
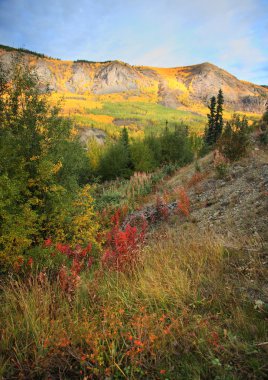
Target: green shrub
176 146
235 140
110 198
170 168
142 157
221 170
114 162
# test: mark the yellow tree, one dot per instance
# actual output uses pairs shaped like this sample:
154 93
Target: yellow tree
85 226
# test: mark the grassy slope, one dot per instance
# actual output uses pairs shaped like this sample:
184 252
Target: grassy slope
140 115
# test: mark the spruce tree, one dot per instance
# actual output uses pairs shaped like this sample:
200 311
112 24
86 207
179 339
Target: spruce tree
124 137
219 115
124 140
210 134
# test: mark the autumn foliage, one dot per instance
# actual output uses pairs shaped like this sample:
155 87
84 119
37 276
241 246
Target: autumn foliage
122 246
183 202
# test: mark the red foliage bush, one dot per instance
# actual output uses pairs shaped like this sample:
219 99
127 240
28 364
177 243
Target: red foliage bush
69 279
121 253
183 202
76 260
196 178
122 247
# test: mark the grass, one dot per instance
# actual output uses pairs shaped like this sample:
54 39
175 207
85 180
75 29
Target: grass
139 112
132 193
180 315
152 117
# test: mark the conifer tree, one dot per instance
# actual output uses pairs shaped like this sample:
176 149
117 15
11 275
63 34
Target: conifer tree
124 137
124 140
210 134
219 115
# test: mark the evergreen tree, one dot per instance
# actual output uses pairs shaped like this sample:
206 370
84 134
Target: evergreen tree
124 137
124 140
210 135
219 115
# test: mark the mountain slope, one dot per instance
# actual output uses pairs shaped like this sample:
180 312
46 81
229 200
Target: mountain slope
110 94
198 82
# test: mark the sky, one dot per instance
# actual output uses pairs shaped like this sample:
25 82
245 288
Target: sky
232 34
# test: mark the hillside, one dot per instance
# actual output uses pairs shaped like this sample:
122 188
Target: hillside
110 94
235 204
193 306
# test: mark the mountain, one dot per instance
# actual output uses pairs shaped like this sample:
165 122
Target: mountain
178 86
110 94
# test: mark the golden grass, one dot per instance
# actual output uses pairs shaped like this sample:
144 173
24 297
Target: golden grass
174 272
101 118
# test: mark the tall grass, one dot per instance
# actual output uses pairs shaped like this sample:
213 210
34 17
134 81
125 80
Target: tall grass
183 314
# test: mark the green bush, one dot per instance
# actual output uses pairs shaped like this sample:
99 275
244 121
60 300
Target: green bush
111 198
114 162
169 169
121 158
235 140
176 146
154 144
221 170
142 157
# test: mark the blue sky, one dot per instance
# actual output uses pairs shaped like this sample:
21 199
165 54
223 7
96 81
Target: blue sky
232 34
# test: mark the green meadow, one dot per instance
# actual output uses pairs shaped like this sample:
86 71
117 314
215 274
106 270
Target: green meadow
139 117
